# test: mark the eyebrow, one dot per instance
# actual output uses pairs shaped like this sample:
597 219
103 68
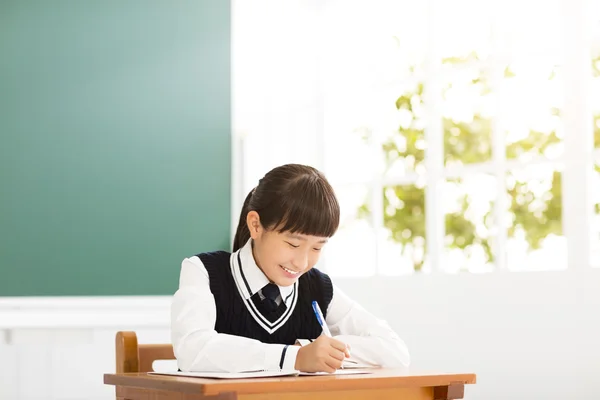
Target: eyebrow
292 236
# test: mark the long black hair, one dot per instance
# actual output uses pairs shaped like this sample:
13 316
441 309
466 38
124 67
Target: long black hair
291 198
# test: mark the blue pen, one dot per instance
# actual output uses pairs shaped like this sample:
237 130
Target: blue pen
320 318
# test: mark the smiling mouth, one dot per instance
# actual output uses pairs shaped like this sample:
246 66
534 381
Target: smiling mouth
289 270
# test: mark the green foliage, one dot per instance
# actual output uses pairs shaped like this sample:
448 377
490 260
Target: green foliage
467 142
538 215
597 130
406 220
596 67
535 144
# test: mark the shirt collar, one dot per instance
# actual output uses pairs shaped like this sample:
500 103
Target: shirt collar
253 275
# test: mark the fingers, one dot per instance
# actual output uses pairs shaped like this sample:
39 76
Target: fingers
329 369
332 365
338 345
338 355
347 352
330 352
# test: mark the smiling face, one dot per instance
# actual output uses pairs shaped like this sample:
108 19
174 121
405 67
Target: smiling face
283 256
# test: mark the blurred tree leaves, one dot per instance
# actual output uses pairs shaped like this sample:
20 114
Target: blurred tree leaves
537 215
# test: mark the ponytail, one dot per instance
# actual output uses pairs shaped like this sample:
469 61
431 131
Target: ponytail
242 234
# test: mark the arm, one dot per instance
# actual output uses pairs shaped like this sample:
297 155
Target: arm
371 340
196 344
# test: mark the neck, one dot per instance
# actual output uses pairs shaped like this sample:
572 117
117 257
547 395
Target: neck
257 261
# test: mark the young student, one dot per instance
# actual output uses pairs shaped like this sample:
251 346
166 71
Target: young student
252 309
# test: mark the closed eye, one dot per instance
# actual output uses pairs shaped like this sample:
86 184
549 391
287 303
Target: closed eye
292 245
316 249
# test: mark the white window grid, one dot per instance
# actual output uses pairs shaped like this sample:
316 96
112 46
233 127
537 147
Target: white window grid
575 163
264 142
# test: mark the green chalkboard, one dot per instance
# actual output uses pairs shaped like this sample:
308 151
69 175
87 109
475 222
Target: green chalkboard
114 143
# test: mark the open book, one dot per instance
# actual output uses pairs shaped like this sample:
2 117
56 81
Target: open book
230 375
337 372
258 374
169 367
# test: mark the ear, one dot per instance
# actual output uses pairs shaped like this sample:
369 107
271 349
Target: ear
254 225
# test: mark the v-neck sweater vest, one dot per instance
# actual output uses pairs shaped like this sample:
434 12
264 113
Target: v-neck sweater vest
237 316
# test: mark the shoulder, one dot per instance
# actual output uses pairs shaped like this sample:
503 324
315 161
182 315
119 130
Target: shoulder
203 268
202 263
317 280
213 257
317 275
217 266
318 286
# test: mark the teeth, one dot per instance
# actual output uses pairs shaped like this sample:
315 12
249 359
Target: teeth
290 271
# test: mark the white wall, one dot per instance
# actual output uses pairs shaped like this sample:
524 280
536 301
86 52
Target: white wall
526 335
65 345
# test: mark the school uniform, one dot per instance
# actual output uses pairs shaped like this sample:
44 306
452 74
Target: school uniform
227 316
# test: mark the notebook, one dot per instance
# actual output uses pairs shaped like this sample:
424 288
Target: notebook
230 375
337 372
169 367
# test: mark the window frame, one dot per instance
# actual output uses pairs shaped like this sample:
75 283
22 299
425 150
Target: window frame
577 160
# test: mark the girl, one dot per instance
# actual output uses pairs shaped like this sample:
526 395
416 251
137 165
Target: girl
252 309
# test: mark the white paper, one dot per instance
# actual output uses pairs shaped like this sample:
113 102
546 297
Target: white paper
169 367
337 372
229 375
355 364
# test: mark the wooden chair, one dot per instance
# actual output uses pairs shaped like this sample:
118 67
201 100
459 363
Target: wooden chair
134 357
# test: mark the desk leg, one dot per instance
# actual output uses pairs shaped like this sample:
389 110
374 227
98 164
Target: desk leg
131 393
450 392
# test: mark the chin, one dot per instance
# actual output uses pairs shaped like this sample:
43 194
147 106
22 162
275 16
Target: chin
282 281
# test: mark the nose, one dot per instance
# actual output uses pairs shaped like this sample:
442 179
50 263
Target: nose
300 261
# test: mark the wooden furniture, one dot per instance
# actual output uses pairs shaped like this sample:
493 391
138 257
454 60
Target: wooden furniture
133 383
134 357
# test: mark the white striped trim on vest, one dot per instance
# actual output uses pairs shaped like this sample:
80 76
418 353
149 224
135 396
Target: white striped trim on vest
240 281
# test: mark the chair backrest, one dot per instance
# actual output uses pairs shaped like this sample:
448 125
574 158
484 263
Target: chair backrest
134 357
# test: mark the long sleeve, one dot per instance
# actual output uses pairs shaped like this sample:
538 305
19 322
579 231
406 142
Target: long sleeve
371 340
196 344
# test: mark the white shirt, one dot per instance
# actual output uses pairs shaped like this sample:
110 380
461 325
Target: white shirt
198 347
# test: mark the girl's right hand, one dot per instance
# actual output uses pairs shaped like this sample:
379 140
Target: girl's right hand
325 354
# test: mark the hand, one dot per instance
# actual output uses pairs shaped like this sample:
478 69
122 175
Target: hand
325 354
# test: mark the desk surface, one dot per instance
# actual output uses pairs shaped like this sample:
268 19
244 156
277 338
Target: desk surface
380 379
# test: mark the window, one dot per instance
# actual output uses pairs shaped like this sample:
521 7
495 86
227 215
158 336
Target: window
448 129
595 92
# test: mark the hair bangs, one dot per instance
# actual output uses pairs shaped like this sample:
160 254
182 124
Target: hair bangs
311 208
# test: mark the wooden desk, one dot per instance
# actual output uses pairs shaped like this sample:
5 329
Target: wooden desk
381 385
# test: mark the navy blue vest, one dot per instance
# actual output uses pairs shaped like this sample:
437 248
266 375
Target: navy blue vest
233 317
